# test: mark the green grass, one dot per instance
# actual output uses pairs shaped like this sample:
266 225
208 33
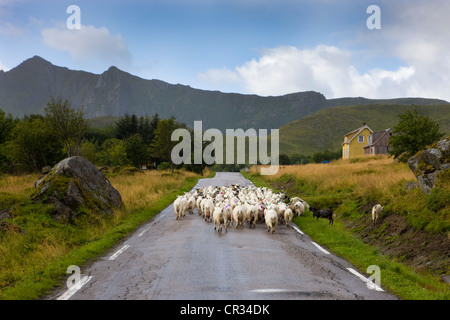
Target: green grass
396 277
325 129
33 276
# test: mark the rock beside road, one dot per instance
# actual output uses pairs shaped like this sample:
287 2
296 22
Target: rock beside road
429 164
73 184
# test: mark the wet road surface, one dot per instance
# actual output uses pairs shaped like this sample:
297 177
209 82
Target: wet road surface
187 260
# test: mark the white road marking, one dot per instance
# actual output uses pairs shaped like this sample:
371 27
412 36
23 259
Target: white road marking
366 280
115 255
297 229
320 248
142 233
71 291
270 290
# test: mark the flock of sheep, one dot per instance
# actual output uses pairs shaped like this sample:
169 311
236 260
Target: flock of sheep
235 205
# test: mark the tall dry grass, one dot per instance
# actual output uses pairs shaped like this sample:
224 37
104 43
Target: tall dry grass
31 260
17 183
350 188
141 190
367 174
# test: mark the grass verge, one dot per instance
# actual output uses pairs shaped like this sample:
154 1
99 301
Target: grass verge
35 255
398 278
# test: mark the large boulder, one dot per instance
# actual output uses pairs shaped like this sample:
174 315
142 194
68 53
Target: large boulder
73 184
429 164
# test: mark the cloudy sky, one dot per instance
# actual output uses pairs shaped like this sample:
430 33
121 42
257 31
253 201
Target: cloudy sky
264 47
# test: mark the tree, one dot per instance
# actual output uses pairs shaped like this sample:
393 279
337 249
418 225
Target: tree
300 159
32 145
113 153
129 125
89 151
412 133
326 155
154 125
284 159
199 167
126 126
136 149
7 124
99 136
162 144
118 154
69 125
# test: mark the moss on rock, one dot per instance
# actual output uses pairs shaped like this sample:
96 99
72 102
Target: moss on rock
75 185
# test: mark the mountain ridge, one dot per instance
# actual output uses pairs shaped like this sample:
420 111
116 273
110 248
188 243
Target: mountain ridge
27 88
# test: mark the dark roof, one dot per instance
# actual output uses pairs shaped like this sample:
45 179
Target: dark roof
383 133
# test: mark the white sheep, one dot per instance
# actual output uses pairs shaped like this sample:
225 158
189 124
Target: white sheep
271 218
295 199
281 208
238 216
272 206
245 206
228 211
191 204
299 208
288 215
198 204
260 211
219 218
180 206
305 206
252 215
234 201
376 211
208 210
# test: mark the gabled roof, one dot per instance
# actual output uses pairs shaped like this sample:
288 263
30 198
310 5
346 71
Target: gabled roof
356 133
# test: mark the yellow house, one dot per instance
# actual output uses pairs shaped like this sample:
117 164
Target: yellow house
354 142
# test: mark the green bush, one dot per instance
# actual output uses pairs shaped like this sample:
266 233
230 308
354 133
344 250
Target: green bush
164 166
437 225
438 199
348 208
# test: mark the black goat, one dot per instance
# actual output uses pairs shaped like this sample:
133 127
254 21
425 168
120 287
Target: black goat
322 213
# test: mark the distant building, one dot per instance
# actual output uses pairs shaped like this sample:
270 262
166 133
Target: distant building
378 142
355 141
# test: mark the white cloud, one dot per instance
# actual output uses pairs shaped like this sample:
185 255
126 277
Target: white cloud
219 76
417 33
326 69
413 42
89 43
421 38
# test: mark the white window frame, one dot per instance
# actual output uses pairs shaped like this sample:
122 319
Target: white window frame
359 139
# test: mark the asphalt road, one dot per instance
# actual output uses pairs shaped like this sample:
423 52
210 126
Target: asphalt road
187 260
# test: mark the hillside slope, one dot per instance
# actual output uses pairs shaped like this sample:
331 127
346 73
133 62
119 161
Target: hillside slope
325 129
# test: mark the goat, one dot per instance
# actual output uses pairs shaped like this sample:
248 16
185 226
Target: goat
376 211
323 213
